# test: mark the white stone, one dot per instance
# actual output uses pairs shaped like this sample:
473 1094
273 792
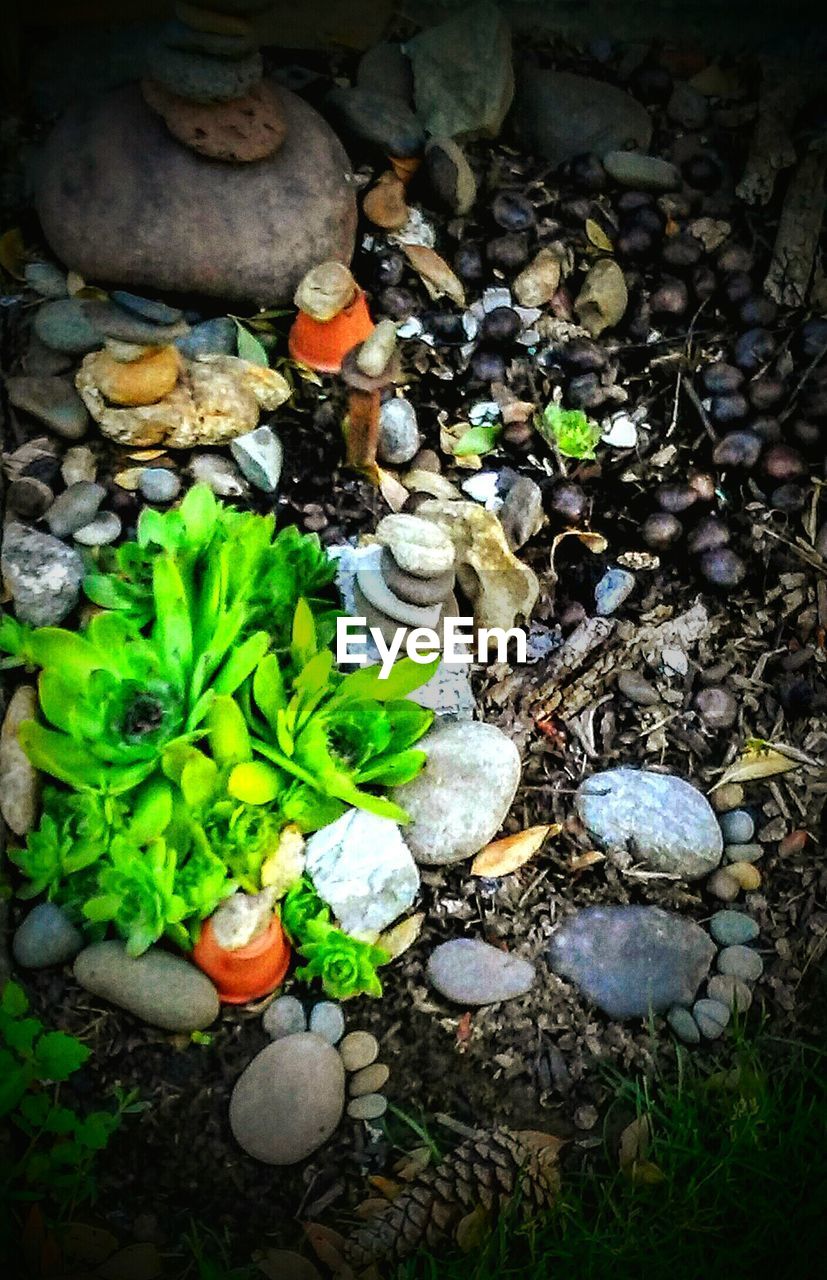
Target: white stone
361 866
260 456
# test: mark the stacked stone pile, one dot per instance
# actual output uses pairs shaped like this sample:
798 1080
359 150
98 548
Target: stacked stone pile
409 579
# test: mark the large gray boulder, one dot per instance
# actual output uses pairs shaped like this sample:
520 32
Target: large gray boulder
121 200
559 115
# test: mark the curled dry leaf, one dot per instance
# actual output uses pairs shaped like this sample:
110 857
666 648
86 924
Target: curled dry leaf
147 455
761 759
597 236
385 1186
501 857
370 1208
392 489
582 861
473 1229
435 274
329 1247
75 283
129 478
635 1142
414 1165
397 940
595 542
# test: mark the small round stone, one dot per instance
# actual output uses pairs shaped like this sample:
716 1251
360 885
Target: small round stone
359 1049
369 1080
745 874
730 928
157 484
731 991
637 689
399 437
737 826
328 1021
717 707
284 1017
683 1024
712 1017
751 852
370 1107
741 962
419 591
729 796
46 937
105 528
76 507
723 885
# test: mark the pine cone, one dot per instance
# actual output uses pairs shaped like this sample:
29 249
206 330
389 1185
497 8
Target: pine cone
486 1171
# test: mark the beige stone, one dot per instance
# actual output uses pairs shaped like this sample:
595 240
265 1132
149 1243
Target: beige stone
603 299
19 780
325 291
140 381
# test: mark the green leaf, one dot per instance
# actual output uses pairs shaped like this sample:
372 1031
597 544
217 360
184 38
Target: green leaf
249 347
303 640
58 1056
568 430
13 1000
60 756
477 440
199 780
152 812
242 663
255 783
268 689
227 732
403 677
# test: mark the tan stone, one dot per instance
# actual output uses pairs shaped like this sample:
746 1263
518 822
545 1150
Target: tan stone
603 299
143 381
214 400
538 282
19 780
325 291
384 205
241 131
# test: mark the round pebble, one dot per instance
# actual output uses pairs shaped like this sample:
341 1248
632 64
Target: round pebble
730 928
737 826
76 507
105 528
717 707
741 962
745 875
683 1024
792 843
370 1107
284 1017
399 437
637 689
731 991
722 884
712 1017
46 937
729 796
359 1049
369 1080
328 1021
157 484
743 852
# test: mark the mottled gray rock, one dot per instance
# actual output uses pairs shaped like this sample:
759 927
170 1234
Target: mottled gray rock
399 437
222 475
459 800
379 120
469 971
64 326
684 1025
687 106
19 780
284 1017
660 820
629 960
712 1017
52 400
100 532
261 226
737 826
643 173
158 987
75 507
41 574
731 991
752 852
218 337
128 326
729 928
741 962
46 937
289 1100
369 1107
362 867
158 484
612 591
463 76
46 279
560 115
260 456
328 1021
203 78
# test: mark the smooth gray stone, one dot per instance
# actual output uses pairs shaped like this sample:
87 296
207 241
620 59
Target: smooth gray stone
328 1021
412 590
469 971
731 991
752 852
146 308
631 960
157 484
385 69
52 400
463 73
75 507
284 1017
642 172
560 115
729 928
100 532
177 35
202 78
741 962
737 826
377 119
217 337
64 326
41 573
660 820
126 326
684 1025
46 937
712 1017
399 437
158 987
260 457
46 279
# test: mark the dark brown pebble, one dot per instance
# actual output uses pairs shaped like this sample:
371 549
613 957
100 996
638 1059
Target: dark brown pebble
661 530
388 269
569 501
789 498
681 251
717 707
758 311
501 326
29 498
509 252
414 501
397 303
652 84
584 356
519 435
729 408
675 498
720 379
723 568
587 173
737 449
647 218
808 434
670 299
628 201
446 327
709 534
513 212
487 366
572 615
814 402
426 460
586 392
783 462
792 843
753 349
734 257
737 287
813 337
704 282
765 391
702 172
636 243
468 263
766 428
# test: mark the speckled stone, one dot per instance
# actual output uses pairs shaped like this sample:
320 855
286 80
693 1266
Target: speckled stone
743 852
370 1079
41 573
729 928
359 1049
284 1017
741 962
683 1024
661 820
727 797
737 826
469 971
723 886
730 990
101 531
157 484
369 1107
712 1018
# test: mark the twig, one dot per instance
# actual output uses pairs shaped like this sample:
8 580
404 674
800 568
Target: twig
701 411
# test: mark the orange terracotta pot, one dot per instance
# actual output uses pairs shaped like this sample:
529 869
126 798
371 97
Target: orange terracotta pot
249 972
323 344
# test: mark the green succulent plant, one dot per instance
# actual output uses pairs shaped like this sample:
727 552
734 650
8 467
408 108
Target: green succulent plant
345 966
568 430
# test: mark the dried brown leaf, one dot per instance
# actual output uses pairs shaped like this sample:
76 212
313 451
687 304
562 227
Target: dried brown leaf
582 861
635 1141
75 283
645 1173
392 489
371 1208
501 857
597 236
595 542
328 1245
413 1165
385 1186
397 940
435 274
129 478
759 759
472 1229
